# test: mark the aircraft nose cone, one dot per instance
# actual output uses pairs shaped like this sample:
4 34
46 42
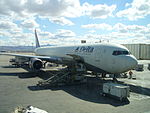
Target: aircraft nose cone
132 62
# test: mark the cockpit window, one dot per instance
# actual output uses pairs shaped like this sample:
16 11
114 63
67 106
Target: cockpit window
121 53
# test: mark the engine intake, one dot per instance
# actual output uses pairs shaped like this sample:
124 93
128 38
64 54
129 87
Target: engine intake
36 63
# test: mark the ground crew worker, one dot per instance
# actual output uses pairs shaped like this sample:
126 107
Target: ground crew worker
130 74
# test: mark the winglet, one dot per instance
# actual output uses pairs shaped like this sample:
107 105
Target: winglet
37 40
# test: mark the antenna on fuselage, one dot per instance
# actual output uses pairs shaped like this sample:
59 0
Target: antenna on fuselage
36 40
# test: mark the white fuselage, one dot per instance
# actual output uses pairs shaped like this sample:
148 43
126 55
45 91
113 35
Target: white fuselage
110 58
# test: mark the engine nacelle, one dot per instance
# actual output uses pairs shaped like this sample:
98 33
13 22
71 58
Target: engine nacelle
36 63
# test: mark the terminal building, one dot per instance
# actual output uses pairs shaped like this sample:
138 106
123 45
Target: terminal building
140 51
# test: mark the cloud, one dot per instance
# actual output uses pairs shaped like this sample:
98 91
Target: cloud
29 23
102 26
61 37
10 27
137 9
98 11
115 37
22 9
54 8
130 28
17 15
7 25
8 6
61 21
44 35
63 33
12 34
16 39
120 28
120 33
92 31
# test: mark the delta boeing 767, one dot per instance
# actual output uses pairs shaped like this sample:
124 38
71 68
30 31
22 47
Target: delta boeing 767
99 58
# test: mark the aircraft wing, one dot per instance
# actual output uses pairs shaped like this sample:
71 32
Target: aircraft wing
60 60
45 58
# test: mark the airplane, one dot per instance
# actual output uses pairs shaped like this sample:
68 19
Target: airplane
105 58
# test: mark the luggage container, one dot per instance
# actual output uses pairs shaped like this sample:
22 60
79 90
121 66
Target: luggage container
118 91
28 109
139 67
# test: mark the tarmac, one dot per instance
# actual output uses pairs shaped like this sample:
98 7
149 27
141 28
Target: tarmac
18 88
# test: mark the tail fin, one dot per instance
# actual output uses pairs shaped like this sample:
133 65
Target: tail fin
37 40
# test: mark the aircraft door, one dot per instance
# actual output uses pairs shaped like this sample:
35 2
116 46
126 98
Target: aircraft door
98 56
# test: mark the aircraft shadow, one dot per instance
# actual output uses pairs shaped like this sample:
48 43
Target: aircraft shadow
9 66
88 92
21 75
8 74
91 91
140 90
28 74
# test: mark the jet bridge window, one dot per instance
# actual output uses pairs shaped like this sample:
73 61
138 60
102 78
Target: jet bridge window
121 53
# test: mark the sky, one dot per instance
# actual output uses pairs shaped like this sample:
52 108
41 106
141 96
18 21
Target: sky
63 22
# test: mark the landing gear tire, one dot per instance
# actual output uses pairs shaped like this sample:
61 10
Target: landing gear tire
103 94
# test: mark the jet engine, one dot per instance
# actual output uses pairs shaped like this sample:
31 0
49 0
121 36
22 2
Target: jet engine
36 63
